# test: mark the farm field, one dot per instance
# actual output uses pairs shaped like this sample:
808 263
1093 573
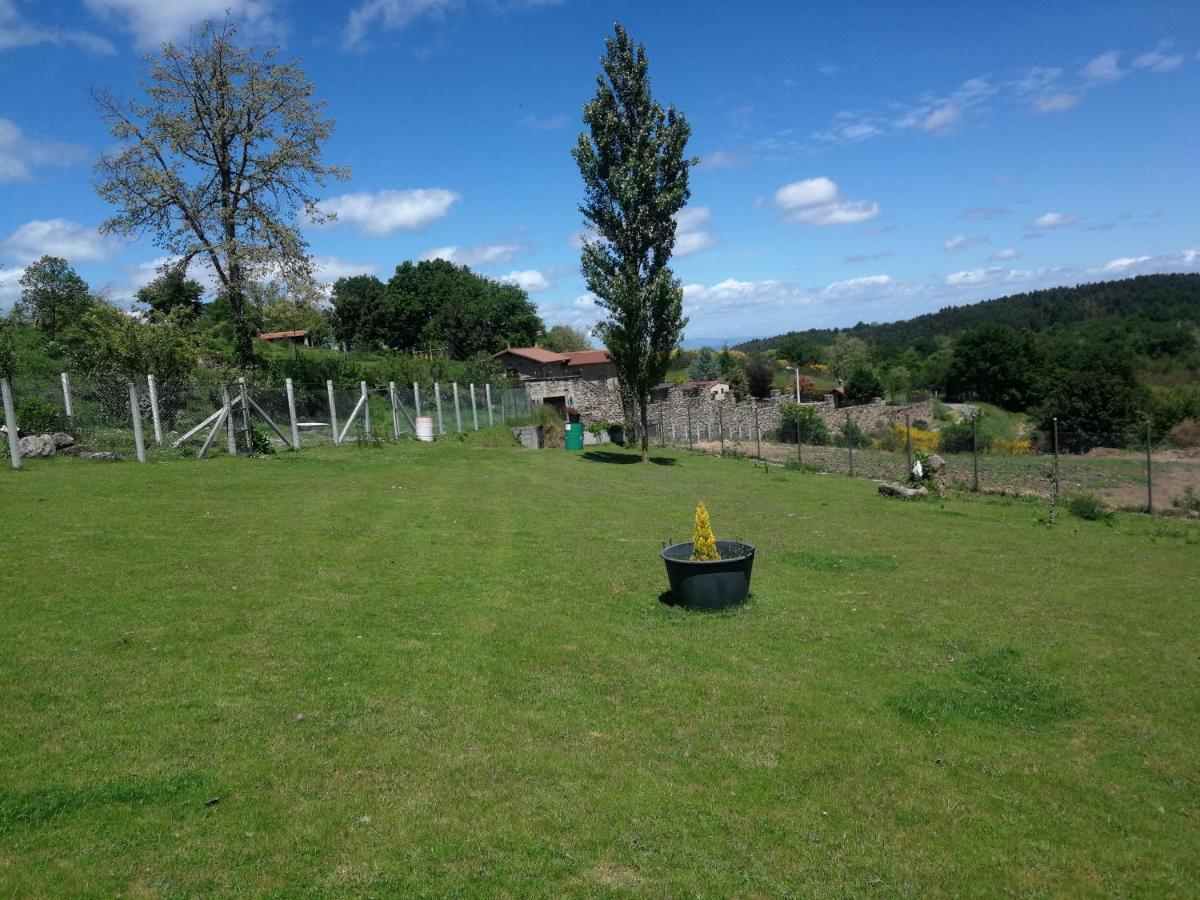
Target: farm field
417 670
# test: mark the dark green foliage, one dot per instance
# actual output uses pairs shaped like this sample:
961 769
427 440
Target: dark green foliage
802 423
53 297
863 385
170 291
705 367
733 373
848 433
759 379
999 691
119 347
565 339
260 440
38 416
840 562
635 179
1188 501
798 350
994 364
960 437
1092 508
360 316
1097 403
8 351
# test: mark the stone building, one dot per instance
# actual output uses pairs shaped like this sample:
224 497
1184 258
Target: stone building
584 380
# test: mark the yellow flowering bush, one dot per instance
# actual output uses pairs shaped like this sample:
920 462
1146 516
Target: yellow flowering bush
704 544
893 438
1018 447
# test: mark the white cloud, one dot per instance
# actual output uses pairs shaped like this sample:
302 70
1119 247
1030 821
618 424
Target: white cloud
1054 220
722 159
1006 253
155 21
1104 67
21 154
57 237
481 255
1124 262
1177 261
962 242
393 15
858 285
586 302
690 235
385 212
328 269
10 287
828 69
17 31
529 280
1059 102
942 119
816 201
984 212
858 131
1160 60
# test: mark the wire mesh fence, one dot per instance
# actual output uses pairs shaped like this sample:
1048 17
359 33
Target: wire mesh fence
1136 472
201 417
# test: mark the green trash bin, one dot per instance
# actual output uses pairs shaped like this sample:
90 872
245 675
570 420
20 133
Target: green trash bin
574 437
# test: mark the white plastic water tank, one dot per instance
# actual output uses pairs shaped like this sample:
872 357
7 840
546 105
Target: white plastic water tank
425 429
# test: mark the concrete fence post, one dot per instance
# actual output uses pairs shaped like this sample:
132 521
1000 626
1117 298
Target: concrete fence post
1149 474
392 402
757 430
10 423
136 411
474 409
366 405
154 417
975 452
249 434
850 442
908 440
332 411
291 402
68 404
457 412
487 390
416 400
721 428
437 399
1057 487
230 439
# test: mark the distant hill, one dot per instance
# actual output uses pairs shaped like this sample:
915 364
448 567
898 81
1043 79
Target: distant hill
1153 298
695 343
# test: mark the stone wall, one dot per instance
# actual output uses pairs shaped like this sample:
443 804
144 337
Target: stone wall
597 399
711 418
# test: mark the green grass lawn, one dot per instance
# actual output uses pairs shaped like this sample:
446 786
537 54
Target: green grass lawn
446 671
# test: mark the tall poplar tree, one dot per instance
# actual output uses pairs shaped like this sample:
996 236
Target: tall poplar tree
635 177
217 161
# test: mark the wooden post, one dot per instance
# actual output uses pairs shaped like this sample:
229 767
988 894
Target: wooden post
332 412
136 411
230 440
487 391
10 422
908 441
366 405
291 398
474 409
1149 474
248 434
67 404
416 399
457 412
392 399
154 418
437 399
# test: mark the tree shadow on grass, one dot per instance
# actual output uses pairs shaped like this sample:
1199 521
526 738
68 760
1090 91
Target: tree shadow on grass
608 456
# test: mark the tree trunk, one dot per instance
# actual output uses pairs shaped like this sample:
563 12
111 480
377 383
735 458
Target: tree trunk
243 337
644 417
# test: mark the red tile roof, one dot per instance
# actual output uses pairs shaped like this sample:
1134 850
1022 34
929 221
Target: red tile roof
276 335
542 355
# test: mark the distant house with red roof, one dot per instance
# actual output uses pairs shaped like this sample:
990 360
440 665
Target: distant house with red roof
583 380
538 362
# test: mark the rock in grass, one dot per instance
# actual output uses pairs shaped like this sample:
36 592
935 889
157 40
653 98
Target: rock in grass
62 439
37 445
935 463
904 491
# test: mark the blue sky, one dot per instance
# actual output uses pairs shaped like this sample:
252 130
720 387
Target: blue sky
860 161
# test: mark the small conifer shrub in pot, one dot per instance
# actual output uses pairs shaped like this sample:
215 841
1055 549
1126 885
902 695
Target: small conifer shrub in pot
706 573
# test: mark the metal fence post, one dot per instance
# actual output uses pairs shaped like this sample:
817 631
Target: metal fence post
230 439
757 430
392 402
1057 486
975 451
1149 474
908 440
155 420
487 393
67 404
721 428
850 442
474 409
437 399
10 422
136 412
366 404
291 399
416 400
457 413
332 411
